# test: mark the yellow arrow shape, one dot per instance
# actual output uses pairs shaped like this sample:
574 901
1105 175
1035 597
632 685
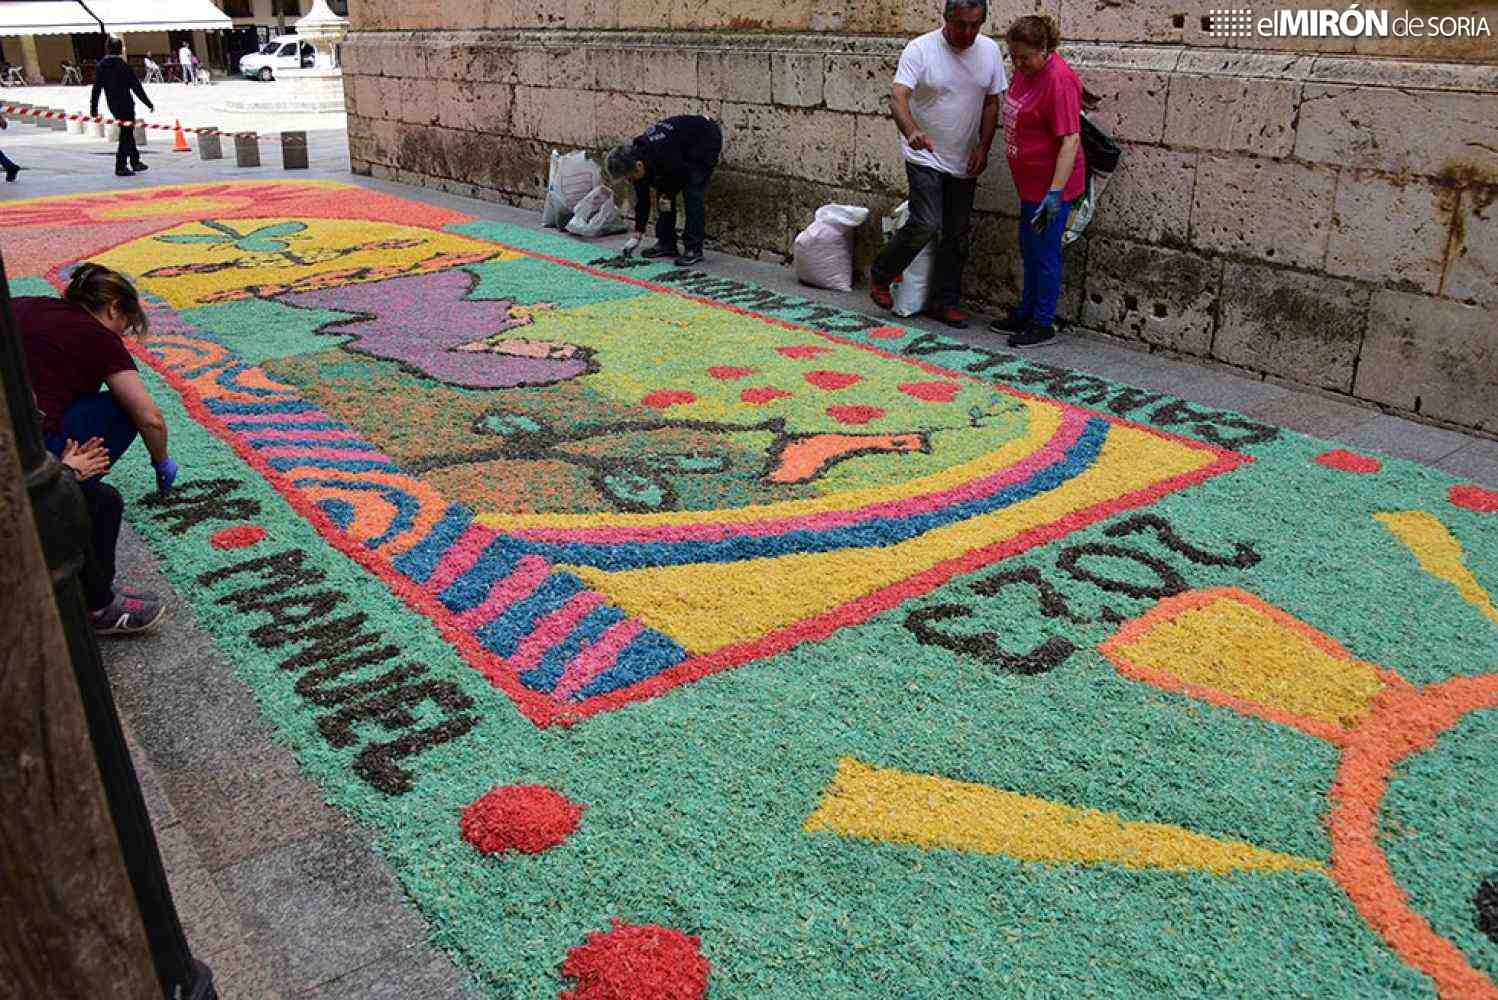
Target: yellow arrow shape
887 804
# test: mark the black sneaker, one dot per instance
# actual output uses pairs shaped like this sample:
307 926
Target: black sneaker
127 615
1033 336
659 251
123 172
1012 322
140 168
11 171
689 258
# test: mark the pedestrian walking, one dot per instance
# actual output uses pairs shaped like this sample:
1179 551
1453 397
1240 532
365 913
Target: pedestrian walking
673 157
153 70
114 77
187 63
1043 144
11 167
945 100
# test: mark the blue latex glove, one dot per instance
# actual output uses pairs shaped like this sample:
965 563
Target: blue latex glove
166 473
1048 210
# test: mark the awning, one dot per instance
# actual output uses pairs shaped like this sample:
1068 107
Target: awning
66 17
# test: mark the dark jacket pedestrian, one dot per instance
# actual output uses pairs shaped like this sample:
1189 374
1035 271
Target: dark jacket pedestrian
119 84
675 156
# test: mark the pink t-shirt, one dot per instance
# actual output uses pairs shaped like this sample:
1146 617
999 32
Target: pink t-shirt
1039 109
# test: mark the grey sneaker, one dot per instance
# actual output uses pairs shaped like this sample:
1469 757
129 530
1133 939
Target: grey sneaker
126 615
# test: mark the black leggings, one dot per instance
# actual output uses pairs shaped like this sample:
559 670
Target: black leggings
105 509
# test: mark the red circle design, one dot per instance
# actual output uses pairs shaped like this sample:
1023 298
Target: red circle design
854 414
1349 461
637 962
662 398
525 818
241 536
832 381
763 394
1474 498
729 372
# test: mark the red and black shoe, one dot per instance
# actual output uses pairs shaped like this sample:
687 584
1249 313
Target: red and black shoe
950 316
880 293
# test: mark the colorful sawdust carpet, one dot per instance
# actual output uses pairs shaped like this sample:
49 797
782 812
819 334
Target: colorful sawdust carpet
677 638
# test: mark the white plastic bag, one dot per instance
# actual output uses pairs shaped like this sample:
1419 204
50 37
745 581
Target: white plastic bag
824 249
911 289
571 177
1082 211
596 214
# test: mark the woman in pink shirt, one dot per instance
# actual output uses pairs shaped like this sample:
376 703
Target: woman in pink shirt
1043 143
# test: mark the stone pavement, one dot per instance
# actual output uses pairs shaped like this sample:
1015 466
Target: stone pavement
277 892
192 105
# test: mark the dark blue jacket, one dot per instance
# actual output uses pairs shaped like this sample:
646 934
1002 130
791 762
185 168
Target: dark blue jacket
117 80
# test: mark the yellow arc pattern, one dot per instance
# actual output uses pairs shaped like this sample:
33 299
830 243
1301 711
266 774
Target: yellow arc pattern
1439 554
887 804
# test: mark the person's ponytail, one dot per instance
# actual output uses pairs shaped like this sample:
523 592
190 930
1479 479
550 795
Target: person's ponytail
96 288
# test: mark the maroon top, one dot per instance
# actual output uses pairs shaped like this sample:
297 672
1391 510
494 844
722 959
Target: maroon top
68 354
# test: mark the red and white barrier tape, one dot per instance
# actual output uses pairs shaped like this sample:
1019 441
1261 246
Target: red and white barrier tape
30 111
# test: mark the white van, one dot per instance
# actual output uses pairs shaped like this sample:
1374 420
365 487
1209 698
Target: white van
280 52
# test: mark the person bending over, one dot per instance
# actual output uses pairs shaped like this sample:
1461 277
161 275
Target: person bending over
673 156
75 343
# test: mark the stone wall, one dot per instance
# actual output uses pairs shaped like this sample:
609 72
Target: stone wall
1324 218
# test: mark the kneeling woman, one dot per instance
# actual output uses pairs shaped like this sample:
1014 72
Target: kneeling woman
72 346
1043 143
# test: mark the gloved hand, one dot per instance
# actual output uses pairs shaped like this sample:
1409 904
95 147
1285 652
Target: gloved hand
1048 210
631 246
166 473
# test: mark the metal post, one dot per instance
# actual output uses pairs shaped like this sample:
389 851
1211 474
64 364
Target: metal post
61 523
247 150
294 150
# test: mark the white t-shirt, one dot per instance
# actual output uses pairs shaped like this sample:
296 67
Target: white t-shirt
948 88
184 56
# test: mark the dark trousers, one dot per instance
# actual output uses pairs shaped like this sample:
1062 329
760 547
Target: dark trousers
95 415
5 161
694 194
105 508
1041 253
127 154
941 209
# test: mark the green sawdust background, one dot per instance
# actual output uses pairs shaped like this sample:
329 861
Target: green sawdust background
696 798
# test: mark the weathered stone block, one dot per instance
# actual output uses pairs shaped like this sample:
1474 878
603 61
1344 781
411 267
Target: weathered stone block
740 15
492 62
1472 271
478 107
646 13
1126 21
567 117
1434 133
402 59
380 97
1389 232
735 76
541 14
657 70
1304 327
1432 356
1133 104
809 144
996 191
859 83
1273 211
1211 112
745 210
878 163
418 101
797 78
533 65
1160 296
594 14
444 60
1148 197
569 66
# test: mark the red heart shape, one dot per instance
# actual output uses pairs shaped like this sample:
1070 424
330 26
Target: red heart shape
662 398
763 394
832 381
931 392
802 351
854 414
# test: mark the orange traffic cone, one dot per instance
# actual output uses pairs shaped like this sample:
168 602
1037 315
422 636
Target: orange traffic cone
179 144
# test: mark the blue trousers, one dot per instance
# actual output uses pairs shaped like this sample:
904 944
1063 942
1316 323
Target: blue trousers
1041 253
95 415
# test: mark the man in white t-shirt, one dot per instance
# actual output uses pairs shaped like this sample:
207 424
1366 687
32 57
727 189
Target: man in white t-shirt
946 103
184 58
